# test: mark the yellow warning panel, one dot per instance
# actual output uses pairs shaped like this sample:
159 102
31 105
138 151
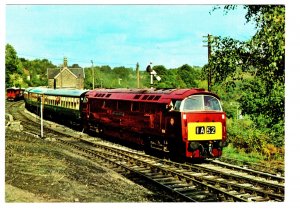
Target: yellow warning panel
205 131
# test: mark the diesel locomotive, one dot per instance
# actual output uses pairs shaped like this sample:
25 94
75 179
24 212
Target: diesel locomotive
186 123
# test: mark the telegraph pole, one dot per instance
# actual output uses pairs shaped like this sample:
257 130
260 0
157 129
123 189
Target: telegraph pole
93 74
138 75
208 56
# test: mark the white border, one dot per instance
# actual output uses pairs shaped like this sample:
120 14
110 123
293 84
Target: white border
292 114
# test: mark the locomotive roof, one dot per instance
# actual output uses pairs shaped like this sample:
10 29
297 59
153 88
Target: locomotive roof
57 92
146 95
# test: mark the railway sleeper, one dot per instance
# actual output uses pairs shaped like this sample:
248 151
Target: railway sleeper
141 169
192 192
171 183
257 199
182 187
165 179
205 197
156 175
198 174
178 184
244 195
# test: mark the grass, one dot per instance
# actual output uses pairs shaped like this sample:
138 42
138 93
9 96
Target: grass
234 153
276 164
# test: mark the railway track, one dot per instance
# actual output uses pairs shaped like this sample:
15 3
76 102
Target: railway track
251 188
279 172
190 182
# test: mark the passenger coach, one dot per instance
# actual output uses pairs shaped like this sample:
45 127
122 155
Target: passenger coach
63 104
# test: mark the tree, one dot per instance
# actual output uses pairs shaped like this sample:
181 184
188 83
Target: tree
187 74
263 58
13 72
38 70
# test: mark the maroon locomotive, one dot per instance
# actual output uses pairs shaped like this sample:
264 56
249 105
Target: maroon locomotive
183 122
14 94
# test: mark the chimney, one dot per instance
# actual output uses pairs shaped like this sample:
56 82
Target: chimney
65 62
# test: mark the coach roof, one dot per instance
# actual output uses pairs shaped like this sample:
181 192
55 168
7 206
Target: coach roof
57 92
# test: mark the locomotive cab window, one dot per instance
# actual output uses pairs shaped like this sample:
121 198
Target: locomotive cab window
200 103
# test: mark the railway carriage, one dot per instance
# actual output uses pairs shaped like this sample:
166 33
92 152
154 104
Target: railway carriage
14 94
186 123
183 122
63 104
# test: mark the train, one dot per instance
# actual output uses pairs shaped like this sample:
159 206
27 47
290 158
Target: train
186 123
14 94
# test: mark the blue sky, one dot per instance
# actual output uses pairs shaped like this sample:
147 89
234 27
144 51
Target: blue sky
120 35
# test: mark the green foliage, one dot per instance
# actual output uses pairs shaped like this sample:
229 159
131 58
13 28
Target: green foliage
13 68
262 59
118 77
244 135
232 152
182 77
247 137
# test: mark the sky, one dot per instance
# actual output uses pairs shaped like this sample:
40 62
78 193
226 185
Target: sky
121 35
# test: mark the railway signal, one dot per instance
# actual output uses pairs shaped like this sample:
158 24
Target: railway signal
152 74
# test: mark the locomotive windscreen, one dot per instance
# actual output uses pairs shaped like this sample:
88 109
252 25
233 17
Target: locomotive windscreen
200 103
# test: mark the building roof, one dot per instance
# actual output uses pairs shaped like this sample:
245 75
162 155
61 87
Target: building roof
53 72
